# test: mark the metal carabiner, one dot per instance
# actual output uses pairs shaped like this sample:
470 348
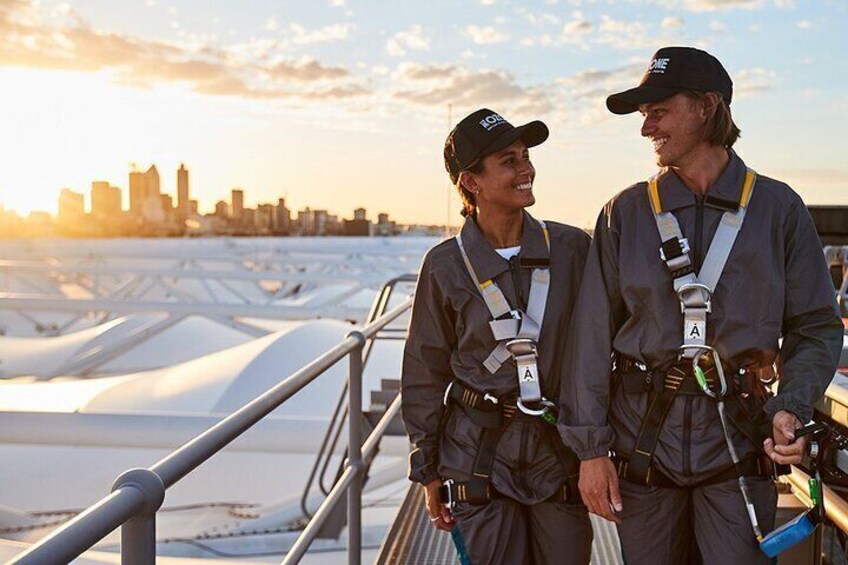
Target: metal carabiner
546 405
701 377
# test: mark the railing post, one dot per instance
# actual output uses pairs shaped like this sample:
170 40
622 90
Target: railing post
354 498
138 534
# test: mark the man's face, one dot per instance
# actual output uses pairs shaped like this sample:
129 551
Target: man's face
676 128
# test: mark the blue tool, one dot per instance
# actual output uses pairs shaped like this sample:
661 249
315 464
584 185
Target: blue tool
803 525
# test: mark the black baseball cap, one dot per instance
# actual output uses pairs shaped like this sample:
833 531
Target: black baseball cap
483 133
673 70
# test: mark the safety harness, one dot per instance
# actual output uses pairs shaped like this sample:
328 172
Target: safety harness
694 292
516 333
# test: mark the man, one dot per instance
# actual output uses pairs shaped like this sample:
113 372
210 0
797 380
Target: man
669 300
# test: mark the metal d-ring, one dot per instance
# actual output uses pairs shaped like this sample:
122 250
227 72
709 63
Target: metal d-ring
546 405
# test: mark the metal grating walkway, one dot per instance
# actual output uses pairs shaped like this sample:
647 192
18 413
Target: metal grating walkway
413 541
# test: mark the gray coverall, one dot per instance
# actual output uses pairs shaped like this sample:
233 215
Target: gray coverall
449 338
775 285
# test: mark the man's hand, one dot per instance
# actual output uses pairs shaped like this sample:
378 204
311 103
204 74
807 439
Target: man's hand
440 515
599 488
784 448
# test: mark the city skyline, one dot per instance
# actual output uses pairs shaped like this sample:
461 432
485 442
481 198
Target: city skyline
343 103
149 212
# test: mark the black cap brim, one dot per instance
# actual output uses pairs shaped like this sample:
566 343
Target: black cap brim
532 134
629 101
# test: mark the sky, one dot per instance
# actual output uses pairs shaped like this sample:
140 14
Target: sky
337 104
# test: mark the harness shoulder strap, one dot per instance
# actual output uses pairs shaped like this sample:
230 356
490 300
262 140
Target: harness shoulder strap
492 295
725 236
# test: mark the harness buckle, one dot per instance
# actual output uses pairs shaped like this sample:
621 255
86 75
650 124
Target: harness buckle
521 346
674 248
450 503
705 291
490 398
446 398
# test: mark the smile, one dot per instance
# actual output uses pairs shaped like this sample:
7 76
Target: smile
524 186
659 142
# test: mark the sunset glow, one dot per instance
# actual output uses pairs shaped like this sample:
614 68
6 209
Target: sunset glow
341 104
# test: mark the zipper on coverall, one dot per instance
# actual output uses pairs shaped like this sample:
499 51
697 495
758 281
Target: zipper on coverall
696 263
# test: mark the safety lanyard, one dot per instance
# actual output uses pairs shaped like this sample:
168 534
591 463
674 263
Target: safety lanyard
694 291
516 332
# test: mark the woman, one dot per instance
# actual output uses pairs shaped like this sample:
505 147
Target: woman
483 357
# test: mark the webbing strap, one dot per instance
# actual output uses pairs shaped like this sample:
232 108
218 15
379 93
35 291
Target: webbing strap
531 322
492 295
725 236
497 357
485 458
638 468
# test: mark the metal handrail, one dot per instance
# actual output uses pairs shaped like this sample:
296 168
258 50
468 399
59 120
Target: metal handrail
138 493
334 430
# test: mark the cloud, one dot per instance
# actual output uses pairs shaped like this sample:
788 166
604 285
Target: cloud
484 35
439 85
718 5
249 71
749 82
413 39
327 34
717 26
672 22
626 35
804 24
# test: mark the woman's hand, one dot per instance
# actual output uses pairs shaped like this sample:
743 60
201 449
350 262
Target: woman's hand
440 515
599 488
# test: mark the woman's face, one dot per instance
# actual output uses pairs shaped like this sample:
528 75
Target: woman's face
506 182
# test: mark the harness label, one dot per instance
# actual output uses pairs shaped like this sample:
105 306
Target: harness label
695 330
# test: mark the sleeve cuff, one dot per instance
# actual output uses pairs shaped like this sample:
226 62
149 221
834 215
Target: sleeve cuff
421 472
601 451
802 410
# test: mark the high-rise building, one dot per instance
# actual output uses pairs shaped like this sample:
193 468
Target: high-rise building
105 201
71 207
137 181
282 224
222 209
144 195
183 206
360 214
265 216
237 206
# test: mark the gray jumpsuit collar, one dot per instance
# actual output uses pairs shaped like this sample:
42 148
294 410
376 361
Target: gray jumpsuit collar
674 194
486 261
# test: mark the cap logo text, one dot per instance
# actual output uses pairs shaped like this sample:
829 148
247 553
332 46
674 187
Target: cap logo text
658 65
491 121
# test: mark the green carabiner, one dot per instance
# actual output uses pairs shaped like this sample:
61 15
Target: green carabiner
701 377
815 491
549 418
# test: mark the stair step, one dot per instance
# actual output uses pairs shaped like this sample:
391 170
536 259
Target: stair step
382 398
390 384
